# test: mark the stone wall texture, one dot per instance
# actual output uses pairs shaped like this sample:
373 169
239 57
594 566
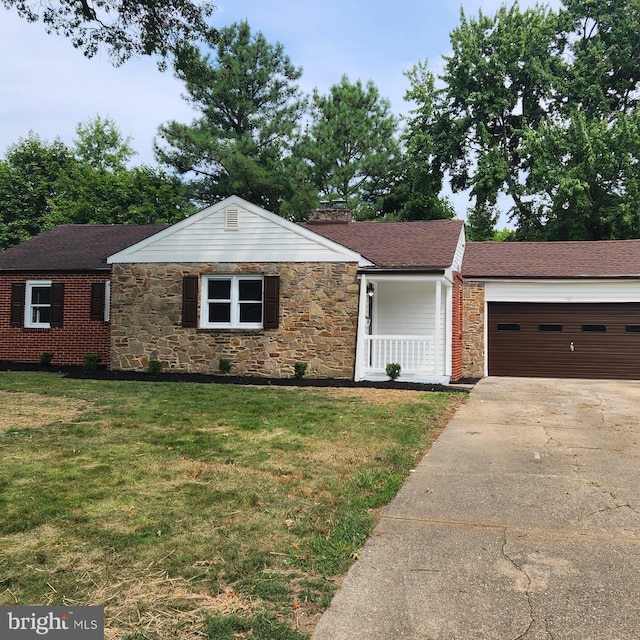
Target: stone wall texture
318 321
473 353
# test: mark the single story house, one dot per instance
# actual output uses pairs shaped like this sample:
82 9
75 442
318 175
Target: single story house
346 298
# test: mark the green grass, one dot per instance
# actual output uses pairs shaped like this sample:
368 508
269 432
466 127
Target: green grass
196 510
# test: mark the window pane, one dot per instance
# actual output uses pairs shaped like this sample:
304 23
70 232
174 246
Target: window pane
219 312
219 289
595 328
250 290
549 327
251 312
508 326
41 315
41 295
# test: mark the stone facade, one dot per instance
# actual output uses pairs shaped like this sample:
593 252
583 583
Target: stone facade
318 321
473 354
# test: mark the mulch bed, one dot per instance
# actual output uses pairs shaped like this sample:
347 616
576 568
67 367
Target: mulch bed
102 373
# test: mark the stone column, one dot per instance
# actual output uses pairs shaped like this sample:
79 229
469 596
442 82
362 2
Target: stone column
473 330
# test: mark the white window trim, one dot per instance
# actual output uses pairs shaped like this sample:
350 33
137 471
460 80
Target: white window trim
28 304
235 303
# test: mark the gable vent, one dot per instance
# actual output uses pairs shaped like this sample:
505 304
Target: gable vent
231 219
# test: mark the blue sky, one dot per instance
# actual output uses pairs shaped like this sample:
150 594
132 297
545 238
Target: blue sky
48 87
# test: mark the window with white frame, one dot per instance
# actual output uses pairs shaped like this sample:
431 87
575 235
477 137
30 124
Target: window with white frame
38 304
234 302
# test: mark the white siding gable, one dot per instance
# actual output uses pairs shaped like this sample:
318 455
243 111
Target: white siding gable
235 230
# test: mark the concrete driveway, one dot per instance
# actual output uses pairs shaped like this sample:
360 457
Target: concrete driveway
522 522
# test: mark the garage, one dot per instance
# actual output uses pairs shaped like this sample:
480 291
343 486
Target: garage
552 309
564 340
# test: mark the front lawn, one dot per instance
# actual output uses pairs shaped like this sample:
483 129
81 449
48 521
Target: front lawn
197 510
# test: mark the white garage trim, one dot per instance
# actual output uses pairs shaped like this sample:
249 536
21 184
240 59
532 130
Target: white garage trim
562 291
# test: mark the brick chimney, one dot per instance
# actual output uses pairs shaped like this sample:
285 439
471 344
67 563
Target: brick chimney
331 212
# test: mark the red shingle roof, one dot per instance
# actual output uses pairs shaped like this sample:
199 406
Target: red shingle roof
74 247
599 259
421 244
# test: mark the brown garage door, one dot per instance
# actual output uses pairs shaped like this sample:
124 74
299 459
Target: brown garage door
564 340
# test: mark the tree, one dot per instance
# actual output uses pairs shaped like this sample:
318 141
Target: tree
351 145
496 85
417 192
602 39
584 178
586 175
29 176
124 29
141 195
540 106
250 105
44 184
100 145
100 189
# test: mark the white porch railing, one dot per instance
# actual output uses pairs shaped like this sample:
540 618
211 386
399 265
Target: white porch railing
415 354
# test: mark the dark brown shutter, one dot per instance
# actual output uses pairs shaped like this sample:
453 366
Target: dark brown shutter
57 303
190 301
98 297
18 292
271 302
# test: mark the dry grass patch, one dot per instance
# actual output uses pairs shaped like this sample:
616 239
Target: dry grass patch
374 395
152 603
20 410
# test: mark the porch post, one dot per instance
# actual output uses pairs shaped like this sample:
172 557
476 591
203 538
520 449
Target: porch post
359 372
438 329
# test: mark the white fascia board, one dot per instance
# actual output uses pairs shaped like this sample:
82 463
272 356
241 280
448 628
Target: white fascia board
128 254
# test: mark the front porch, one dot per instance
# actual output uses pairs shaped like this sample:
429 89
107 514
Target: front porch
405 319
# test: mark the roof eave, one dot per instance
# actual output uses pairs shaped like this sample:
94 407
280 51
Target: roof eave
105 269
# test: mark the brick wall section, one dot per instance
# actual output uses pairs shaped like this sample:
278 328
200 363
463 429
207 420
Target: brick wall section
473 354
318 321
457 327
78 335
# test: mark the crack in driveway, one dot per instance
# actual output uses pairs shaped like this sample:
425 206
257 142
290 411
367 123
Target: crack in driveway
527 590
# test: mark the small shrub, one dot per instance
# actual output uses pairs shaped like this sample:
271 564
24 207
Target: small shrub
91 361
154 367
224 364
299 369
393 370
46 358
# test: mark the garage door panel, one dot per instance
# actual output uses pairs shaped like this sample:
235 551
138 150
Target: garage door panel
564 340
